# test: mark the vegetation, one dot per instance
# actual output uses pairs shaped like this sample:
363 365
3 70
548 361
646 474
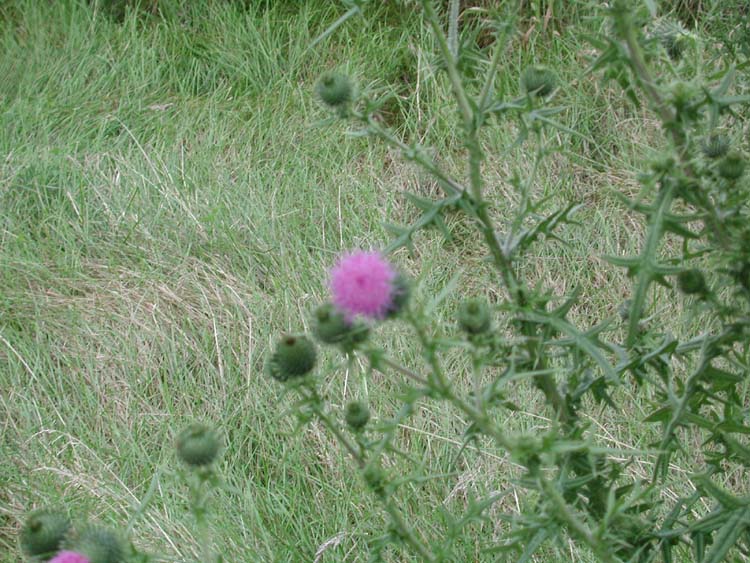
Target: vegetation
173 194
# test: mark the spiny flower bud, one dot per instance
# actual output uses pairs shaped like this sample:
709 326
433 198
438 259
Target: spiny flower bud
43 533
732 166
672 36
474 316
538 81
294 357
98 545
335 90
357 415
374 477
400 293
683 96
692 282
331 327
715 146
197 445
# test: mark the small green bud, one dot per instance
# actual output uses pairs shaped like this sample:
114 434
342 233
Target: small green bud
357 415
683 97
663 165
732 166
331 327
294 357
43 533
399 296
715 146
672 36
474 316
98 545
374 478
538 81
335 90
692 282
197 445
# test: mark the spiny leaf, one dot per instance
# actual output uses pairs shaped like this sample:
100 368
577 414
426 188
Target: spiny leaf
728 535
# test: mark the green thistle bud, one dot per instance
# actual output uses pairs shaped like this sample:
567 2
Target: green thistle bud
330 327
197 445
335 90
357 415
43 533
294 357
715 146
672 36
692 282
683 96
732 166
538 81
98 545
474 316
374 478
400 295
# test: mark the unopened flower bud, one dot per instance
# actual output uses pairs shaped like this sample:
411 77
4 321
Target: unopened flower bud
732 166
538 81
198 445
400 293
357 415
692 282
335 90
98 545
672 36
715 146
43 533
474 316
331 327
374 478
293 357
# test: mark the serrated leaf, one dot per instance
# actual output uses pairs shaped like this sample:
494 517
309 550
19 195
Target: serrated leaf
579 339
704 483
662 414
728 535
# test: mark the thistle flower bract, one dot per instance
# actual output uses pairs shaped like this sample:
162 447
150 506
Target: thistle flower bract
43 533
293 357
335 90
331 327
98 545
672 36
197 445
474 316
400 293
357 415
715 146
363 284
538 81
732 167
69 557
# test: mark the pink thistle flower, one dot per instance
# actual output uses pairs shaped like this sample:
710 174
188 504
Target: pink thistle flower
362 284
69 557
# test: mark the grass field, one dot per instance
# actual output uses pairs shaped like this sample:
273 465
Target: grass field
170 202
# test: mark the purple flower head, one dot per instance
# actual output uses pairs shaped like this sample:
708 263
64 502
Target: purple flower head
69 557
362 285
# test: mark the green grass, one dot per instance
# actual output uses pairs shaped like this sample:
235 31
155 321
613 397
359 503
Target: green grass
169 202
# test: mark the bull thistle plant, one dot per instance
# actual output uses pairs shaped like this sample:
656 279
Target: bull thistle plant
695 249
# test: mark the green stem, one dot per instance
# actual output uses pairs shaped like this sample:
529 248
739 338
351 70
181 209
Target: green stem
448 184
648 257
405 531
